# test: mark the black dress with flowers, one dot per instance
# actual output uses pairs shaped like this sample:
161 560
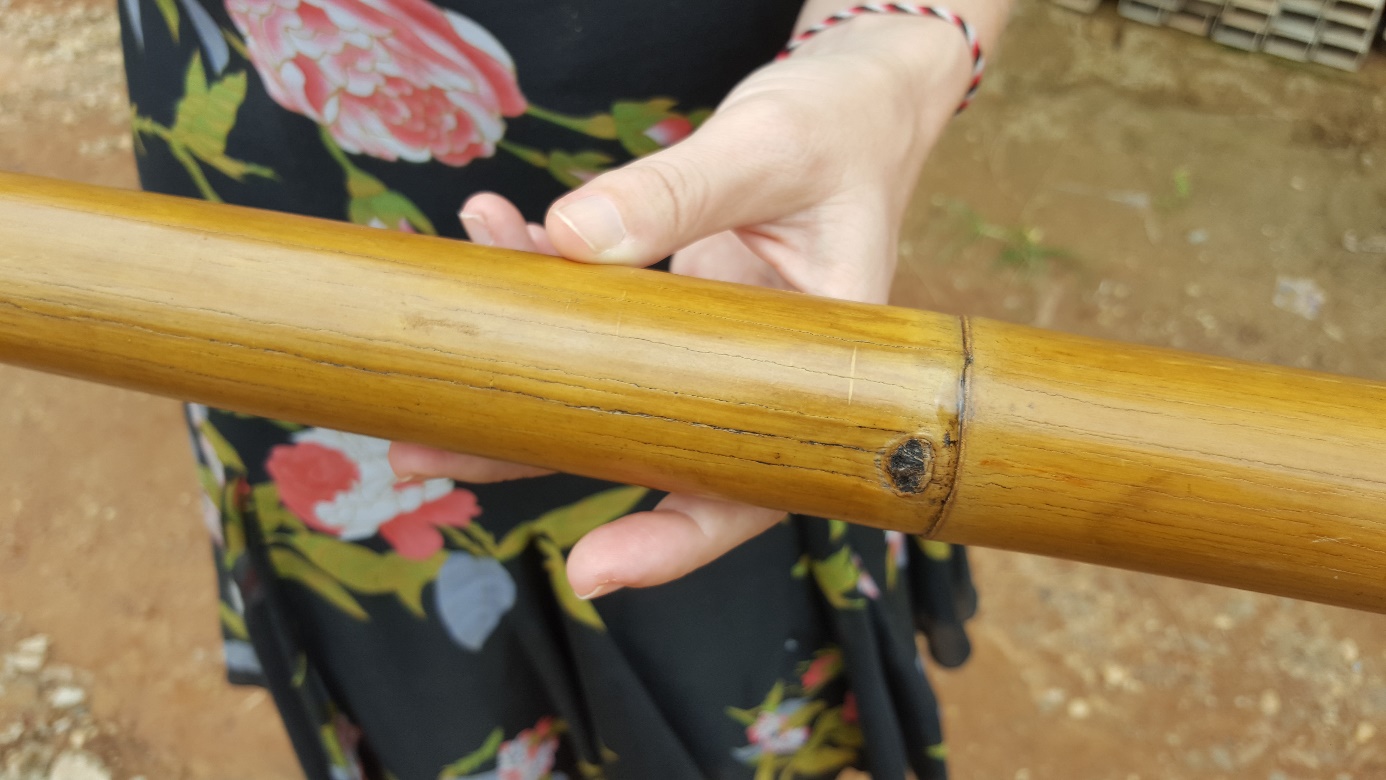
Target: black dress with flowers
427 630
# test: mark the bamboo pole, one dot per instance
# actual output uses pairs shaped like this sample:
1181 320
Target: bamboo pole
963 430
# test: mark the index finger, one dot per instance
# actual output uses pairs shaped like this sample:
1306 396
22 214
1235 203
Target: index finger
681 534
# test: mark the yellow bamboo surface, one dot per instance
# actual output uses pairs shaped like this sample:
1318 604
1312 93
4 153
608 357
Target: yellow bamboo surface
965 430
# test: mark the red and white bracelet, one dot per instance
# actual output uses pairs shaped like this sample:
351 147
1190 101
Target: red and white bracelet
938 12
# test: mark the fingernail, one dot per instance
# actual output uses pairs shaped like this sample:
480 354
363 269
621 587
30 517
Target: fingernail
477 229
596 221
601 590
408 479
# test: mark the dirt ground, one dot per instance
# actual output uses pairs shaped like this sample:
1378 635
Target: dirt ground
1115 180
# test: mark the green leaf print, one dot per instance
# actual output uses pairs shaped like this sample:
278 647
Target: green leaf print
232 522
514 542
292 566
637 124
205 116
337 568
744 717
474 760
547 730
819 760
567 524
837 577
532 156
575 170
805 715
236 44
169 10
465 542
572 169
600 126
836 530
341 757
641 126
831 744
833 727
892 569
274 516
482 537
209 483
233 622
366 571
383 208
578 609
937 551
225 452
202 120
372 203
775 697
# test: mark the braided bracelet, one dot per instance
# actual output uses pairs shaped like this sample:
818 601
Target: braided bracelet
938 12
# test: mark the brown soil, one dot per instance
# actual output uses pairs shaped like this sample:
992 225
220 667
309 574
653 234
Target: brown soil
1115 180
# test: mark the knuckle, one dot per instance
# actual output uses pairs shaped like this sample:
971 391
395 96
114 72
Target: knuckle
678 182
784 136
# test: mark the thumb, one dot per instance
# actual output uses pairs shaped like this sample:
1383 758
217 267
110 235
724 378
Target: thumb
744 166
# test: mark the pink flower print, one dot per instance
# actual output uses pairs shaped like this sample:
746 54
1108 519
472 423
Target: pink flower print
772 734
393 79
348 736
866 584
895 548
821 669
530 755
669 131
341 484
402 226
849 708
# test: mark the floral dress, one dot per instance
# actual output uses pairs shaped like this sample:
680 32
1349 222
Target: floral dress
427 630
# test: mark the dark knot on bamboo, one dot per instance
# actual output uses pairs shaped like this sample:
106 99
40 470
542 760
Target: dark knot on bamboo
909 465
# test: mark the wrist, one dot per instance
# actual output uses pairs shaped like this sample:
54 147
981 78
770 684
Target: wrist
921 55
920 67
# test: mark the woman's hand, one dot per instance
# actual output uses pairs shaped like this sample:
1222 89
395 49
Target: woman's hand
798 181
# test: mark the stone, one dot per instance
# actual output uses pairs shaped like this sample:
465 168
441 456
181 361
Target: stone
81 736
78 765
1051 699
27 761
1078 709
65 696
1299 295
38 644
1349 650
29 654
